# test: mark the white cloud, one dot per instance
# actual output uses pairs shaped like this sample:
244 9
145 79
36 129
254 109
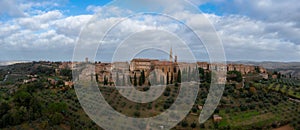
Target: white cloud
248 38
41 21
10 8
72 25
244 36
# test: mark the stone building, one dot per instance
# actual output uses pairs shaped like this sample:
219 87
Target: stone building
103 70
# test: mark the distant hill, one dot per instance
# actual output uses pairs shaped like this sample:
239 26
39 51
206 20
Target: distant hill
5 63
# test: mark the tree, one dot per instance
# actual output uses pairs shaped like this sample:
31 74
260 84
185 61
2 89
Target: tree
171 82
57 107
194 110
56 118
217 110
105 82
66 72
134 80
279 75
4 107
117 79
15 117
167 78
184 123
22 98
179 76
60 82
235 76
202 125
162 80
143 78
129 80
201 73
154 81
208 77
193 125
137 114
257 70
184 75
97 77
189 74
123 81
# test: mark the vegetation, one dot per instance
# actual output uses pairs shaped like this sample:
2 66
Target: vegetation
261 104
234 76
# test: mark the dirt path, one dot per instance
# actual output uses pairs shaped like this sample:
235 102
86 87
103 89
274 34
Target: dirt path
286 127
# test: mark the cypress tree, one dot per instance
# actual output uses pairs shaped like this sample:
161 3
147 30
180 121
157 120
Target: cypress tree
97 78
171 82
179 76
167 78
123 80
134 80
117 79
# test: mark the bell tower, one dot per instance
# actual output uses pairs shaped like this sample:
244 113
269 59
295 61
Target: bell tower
171 55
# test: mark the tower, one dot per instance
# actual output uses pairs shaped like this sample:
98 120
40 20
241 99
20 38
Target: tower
171 55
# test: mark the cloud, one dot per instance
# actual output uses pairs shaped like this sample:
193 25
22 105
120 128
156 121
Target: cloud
266 10
41 21
10 7
248 38
22 8
72 25
49 35
244 35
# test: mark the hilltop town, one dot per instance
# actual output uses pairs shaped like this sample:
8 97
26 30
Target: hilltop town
49 88
166 72
269 97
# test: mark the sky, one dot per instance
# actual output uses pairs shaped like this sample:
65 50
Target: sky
256 30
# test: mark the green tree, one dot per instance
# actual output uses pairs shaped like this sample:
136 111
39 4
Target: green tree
235 75
137 114
201 73
57 107
184 123
279 75
167 78
66 72
60 82
22 98
208 77
202 125
4 107
257 70
171 82
142 78
105 82
154 80
123 81
179 76
15 117
56 118
134 80
129 80
189 74
193 125
117 79
97 76
162 80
